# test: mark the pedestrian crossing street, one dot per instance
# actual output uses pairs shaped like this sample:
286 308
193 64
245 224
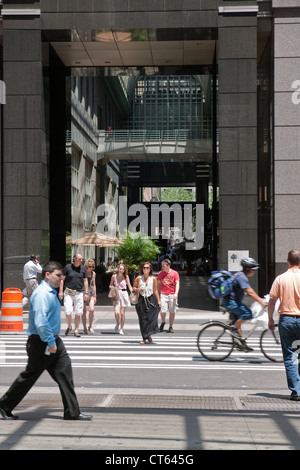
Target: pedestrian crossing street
168 351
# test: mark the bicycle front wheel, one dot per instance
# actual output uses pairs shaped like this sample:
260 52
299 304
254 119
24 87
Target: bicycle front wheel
270 345
214 342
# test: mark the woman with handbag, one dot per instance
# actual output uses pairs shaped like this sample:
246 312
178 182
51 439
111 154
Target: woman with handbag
148 304
121 281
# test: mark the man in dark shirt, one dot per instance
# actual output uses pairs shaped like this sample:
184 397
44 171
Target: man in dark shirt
241 285
75 283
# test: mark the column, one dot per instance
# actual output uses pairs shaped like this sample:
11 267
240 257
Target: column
237 43
25 179
286 129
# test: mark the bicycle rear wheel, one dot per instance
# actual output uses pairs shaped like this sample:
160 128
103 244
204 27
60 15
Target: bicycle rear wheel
214 342
270 345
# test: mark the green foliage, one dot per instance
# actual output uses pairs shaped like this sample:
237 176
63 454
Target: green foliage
177 194
137 249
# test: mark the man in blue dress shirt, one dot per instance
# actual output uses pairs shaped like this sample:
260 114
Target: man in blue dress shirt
45 349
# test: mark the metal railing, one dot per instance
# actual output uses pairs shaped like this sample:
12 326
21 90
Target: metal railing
157 135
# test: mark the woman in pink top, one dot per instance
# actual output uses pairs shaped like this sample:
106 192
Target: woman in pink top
121 281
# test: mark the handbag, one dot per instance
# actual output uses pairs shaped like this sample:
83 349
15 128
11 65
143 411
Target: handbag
134 297
113 293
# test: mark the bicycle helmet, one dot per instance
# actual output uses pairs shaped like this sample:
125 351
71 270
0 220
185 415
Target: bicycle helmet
249 263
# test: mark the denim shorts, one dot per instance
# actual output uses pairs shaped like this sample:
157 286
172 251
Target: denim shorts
239 309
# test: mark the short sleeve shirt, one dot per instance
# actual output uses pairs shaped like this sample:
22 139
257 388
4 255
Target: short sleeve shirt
286 288
168 281
74 277
241 282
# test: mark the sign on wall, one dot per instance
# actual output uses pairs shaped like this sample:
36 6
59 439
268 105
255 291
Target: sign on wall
234 259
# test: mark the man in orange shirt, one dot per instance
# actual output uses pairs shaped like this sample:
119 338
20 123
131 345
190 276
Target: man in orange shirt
286 288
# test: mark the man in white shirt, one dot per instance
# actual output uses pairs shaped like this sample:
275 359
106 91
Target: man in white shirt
30 271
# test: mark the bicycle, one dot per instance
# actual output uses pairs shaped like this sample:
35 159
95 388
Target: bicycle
216 340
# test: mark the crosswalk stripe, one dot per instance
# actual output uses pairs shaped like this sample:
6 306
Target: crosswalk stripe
175 352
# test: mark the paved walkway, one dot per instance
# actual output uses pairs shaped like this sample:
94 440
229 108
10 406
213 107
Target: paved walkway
155 419
172 420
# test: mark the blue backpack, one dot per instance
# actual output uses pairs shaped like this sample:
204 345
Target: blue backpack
220 284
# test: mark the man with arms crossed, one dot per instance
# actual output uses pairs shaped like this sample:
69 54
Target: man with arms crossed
30 271
45 349
168 286
286 288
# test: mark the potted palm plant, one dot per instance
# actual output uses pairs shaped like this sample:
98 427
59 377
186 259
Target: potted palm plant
137 249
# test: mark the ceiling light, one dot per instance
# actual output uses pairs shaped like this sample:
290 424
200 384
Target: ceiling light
238 9
20 11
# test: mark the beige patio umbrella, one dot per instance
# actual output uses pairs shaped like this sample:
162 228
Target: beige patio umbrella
98 239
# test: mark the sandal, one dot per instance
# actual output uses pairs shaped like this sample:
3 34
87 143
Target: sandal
143 342
85 331
90 329
149 339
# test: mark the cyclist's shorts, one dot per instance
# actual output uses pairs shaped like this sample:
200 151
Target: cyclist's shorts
239 309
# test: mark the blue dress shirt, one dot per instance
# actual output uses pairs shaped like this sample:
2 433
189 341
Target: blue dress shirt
44 314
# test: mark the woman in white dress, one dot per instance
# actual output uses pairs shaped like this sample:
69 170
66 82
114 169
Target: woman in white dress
148 305
121 281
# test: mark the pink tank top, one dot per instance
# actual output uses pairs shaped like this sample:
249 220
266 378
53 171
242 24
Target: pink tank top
120 284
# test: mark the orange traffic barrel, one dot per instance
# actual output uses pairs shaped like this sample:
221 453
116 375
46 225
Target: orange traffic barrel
11 318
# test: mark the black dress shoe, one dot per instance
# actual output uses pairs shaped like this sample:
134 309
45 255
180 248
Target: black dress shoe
7 414
292 397
80 417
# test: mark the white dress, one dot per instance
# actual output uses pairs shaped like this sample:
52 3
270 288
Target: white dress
123 294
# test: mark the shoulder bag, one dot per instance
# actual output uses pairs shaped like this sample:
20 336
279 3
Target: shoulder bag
134 297
113 293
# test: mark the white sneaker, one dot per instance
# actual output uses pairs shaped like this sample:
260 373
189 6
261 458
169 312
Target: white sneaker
117 329
121 332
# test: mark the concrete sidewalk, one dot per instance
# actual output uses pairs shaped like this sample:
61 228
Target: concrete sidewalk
173 420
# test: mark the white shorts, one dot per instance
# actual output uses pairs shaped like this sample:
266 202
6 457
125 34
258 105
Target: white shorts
168 303
73 303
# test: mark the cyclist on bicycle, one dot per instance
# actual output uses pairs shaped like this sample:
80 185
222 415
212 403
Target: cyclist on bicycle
241 285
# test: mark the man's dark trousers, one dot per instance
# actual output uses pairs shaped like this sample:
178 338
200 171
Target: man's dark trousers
59 367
